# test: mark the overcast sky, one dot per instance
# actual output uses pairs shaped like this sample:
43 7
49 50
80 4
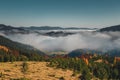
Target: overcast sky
65 13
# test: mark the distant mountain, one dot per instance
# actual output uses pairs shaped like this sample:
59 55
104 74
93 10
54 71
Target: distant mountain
79 52
58 33
6 29
43 30
114 52
75 28
22 48
112 28
55 28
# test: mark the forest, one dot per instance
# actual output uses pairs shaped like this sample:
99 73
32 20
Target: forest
92 66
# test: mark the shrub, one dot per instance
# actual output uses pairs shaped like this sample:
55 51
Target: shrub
1 75
24 67
61 78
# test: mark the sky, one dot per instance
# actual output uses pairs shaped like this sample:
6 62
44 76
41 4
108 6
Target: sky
64 13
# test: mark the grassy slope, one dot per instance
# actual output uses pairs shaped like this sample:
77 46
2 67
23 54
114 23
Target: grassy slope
36 71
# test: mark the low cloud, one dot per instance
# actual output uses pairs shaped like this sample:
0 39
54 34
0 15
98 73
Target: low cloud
83 40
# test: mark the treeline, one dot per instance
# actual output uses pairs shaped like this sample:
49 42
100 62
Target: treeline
75 64
109 68
14 51
17 56
22 48
102 70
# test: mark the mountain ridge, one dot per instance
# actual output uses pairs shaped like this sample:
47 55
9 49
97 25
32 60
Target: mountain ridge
43 27
111 28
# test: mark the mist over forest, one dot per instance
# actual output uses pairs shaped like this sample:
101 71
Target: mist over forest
80 40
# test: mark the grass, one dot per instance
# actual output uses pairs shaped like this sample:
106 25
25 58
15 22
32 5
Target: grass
20 79
33 71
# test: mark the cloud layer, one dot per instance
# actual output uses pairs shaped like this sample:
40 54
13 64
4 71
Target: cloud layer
83 40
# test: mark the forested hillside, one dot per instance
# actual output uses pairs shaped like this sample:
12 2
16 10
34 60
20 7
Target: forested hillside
10 49
112 28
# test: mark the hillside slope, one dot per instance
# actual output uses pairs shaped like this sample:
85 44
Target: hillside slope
18 46
112 28
36 71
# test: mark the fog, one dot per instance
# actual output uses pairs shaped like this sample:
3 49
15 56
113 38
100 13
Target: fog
82 40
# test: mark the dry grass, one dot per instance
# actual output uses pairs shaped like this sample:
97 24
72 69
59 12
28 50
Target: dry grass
36 71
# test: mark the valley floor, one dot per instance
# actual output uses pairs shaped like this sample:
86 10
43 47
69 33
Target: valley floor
36 71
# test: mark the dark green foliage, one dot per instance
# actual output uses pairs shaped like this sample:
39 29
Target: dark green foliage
18 52
101 70
105 71
23 49
10 57
24 67
86 74
75 64
116 71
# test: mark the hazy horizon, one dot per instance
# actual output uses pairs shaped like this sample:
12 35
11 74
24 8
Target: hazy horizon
65 13
61 26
